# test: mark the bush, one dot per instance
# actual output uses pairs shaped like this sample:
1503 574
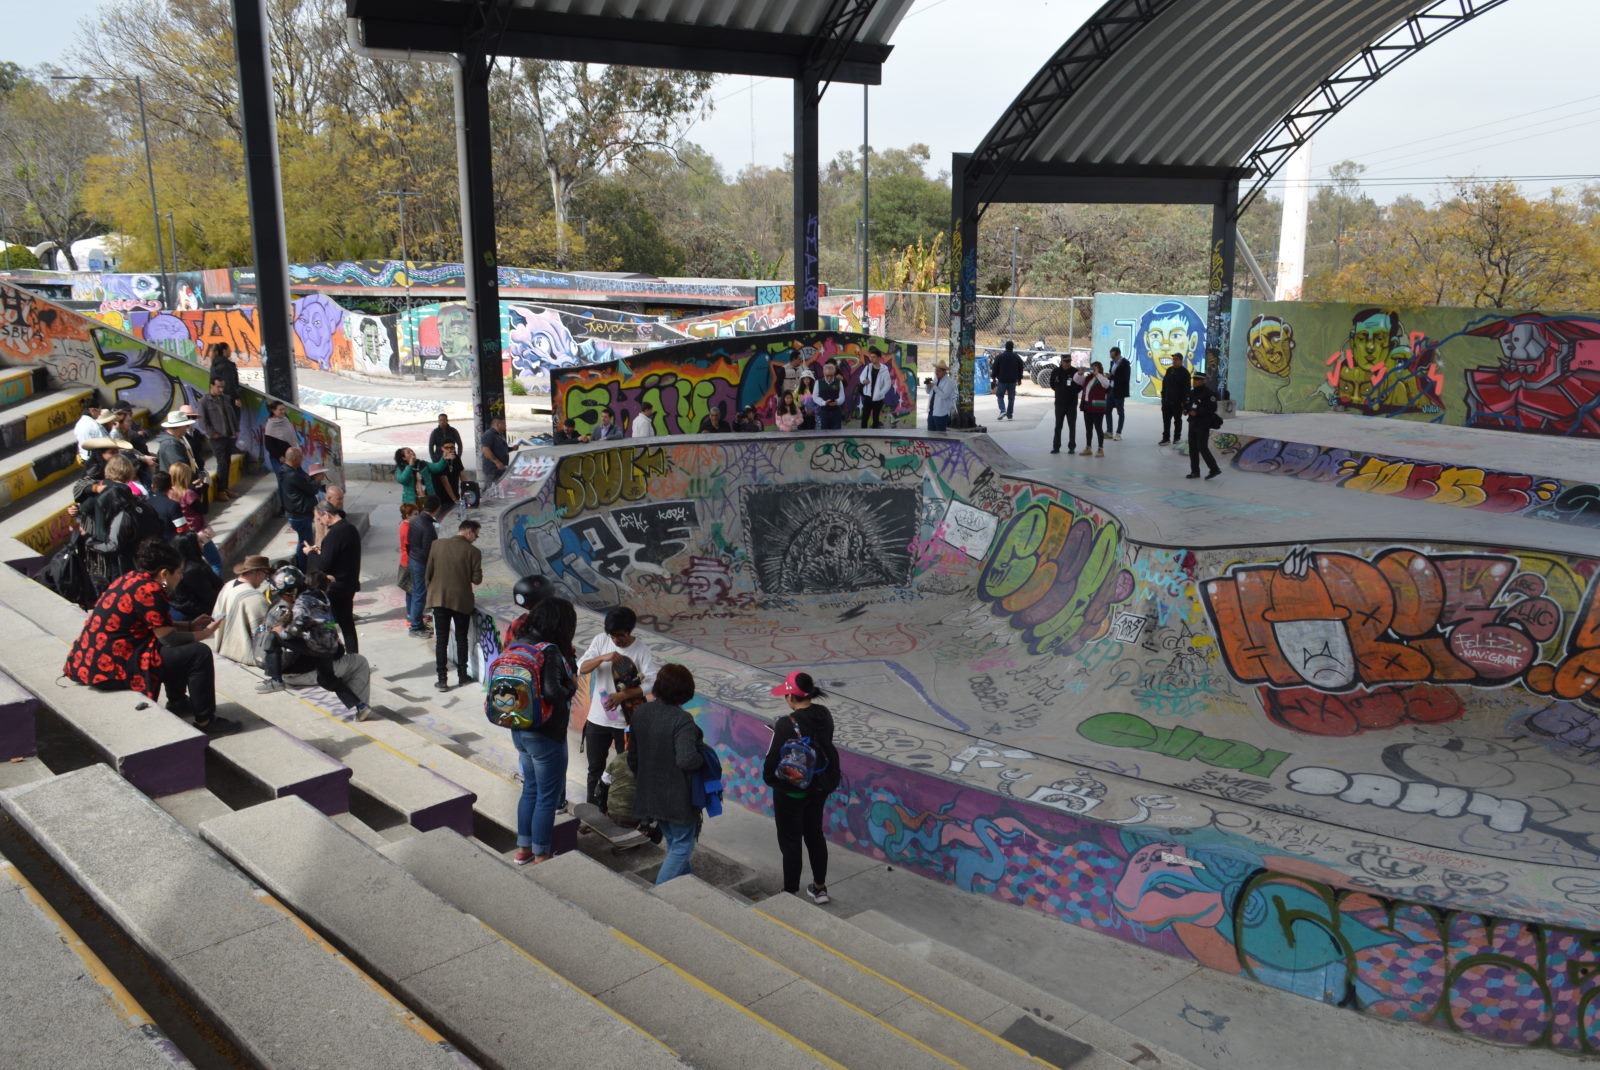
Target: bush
19 257
515 387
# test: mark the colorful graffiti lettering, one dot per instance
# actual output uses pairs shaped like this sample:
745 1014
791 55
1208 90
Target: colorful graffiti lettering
604 477
1054 573
1184 744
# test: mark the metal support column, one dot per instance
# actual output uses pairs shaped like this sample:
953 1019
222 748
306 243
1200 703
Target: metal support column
1219 299
274 313
478 237
963 290
807 229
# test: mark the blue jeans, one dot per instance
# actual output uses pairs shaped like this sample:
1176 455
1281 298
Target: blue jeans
304 533
938 423
830 419
418 595
544 784
680 845
1006 395
213 557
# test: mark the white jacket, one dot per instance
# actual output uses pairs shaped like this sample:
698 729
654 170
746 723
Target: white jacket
942 396
875 381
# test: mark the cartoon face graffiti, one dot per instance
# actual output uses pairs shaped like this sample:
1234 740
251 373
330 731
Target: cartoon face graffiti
1539 383
1373 335
539 341
1155 893
1272 343
455 335
1167 330
316 322
1308 627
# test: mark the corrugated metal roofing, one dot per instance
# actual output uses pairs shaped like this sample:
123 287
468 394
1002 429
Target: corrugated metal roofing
803 18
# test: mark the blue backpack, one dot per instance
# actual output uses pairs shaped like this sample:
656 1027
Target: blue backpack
705 783
798 761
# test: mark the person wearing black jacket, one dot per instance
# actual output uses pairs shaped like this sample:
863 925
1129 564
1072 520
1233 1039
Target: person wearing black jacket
1202 420
1121 373
223 367
1174 400
298 493
338 555
663 750
440 435
798 811
1006 371
1064 381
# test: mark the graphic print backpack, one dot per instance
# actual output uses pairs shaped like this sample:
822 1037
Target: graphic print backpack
313 625
517 697
798 762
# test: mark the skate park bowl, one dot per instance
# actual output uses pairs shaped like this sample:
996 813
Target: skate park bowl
1362 772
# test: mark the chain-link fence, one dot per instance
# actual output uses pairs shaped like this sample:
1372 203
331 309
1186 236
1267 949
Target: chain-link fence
1061 323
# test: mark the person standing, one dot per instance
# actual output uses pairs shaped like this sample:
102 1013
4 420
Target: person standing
87 427
440 435
605 728
338 555
1121 373
223 367
941 397
219 418
408 473
1202 421
644 424
446 473
298 492
1064 382
1096 396
496 451
1005 371
875 383
829 397
797 808
455 566
278 435
542 751
1174 400
664 749
419 535
240 606
175 447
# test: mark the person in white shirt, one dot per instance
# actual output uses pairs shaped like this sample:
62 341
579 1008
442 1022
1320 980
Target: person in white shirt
606 727
87 427
644 424
875 382
941 397
241 607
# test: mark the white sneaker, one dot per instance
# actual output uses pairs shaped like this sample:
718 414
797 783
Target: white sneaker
1116 438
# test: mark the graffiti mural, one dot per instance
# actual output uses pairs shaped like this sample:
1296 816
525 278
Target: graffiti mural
685 381
1151 330
820 538
1535 373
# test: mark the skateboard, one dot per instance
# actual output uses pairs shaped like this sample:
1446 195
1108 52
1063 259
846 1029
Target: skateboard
595 820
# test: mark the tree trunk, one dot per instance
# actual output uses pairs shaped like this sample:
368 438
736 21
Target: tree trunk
559 192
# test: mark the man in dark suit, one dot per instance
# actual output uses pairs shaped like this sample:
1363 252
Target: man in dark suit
338 554
1120 371
1202 418
1174 400
1064 382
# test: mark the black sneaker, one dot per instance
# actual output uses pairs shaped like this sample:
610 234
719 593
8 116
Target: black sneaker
269 686
441 684
219 726
818 895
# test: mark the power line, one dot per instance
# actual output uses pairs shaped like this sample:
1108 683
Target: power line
1413 142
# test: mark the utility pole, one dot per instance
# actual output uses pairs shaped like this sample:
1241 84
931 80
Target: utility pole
583 232
866 191
172 237
400 196
1292 232
1011 314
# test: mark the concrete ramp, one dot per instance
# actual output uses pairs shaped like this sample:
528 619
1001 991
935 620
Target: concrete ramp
1357 770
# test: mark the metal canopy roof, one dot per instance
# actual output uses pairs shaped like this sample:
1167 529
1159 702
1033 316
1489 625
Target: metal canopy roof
845 40
1151 89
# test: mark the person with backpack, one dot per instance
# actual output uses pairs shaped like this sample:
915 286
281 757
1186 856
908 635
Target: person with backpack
297 643
1203 420
802 769
530 690
605 728
119 521
664 751
130 643
196 590
617 785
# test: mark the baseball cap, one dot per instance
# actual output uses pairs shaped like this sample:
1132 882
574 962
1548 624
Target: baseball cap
790 686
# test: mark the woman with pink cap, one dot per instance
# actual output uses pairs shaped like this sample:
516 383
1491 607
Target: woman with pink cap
802 769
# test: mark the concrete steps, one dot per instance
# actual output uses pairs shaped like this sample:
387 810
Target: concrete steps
63 1007
840 1030
870 932
707 1028
36 416
18 706
19 384
502 1005
36 465
273 989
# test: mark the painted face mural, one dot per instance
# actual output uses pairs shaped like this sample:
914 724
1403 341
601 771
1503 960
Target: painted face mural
1547 380
1167 330
539 341
1271 345
1379 373
316 321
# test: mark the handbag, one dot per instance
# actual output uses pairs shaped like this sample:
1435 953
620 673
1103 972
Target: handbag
403 581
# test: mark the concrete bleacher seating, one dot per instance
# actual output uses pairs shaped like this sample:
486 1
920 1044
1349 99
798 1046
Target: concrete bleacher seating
497 1001
707 1028
800 1007
63 1006
279 764
17 708
279 993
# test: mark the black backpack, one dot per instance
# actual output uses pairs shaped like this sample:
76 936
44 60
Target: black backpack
67 573
139 521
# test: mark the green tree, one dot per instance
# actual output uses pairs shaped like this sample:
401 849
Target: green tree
47 136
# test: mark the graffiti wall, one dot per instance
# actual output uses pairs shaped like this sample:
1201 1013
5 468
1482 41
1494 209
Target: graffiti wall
685 381
842 313
1537 373
79 351
1151 330
1366 773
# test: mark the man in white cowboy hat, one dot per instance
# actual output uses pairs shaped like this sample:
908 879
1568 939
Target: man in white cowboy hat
174 448
241 606
87 427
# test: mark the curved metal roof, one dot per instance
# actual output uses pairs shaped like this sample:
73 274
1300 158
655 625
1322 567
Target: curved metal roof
1205 84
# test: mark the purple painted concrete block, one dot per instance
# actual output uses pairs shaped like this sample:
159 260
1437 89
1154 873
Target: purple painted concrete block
17 709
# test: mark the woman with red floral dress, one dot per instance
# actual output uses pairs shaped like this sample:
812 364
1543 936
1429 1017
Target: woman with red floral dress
130 642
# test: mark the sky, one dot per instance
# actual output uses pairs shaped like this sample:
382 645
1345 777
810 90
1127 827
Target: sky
1509 94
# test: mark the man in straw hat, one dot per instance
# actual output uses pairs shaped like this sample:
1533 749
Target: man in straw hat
241 606
174 447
